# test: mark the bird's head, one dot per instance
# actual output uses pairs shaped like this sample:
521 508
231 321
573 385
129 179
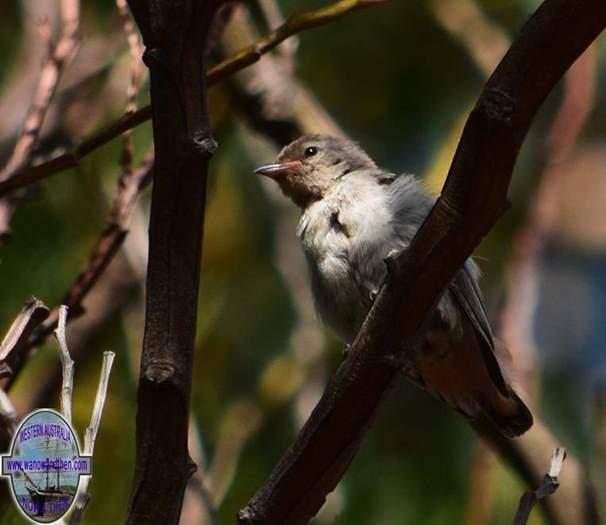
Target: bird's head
308 167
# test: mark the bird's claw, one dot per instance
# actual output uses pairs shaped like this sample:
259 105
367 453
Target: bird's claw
390 260
346 351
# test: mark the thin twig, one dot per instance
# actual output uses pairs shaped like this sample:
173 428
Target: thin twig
58 55
67 365
115 290
8 413
198 507
547 487
15 341
226 68
273 18
485 42
82 497
136 74
273 101
107 245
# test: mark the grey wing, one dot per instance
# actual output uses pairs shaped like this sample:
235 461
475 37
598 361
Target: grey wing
411 205
466 292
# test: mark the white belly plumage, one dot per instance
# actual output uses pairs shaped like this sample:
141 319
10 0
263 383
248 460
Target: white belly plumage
328 237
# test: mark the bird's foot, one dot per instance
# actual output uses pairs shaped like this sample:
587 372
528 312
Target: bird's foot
346 351
390 260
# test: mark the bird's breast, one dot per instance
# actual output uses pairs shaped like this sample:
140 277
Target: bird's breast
327 245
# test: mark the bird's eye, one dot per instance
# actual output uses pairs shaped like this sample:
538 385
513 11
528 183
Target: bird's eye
310 151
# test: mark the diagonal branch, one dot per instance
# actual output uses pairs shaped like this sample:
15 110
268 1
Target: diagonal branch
136 74
15 342
31 315
226 68
58 55
473 199
109 242
259 93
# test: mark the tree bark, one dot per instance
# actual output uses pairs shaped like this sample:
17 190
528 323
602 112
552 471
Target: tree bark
175 36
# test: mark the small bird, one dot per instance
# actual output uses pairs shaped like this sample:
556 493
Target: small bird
355 215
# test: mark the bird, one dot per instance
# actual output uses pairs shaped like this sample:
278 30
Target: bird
354 215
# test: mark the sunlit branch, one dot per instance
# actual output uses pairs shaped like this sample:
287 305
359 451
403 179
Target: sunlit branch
226 68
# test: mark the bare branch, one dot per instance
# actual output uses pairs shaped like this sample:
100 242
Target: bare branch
273 18
12 346
470 204
548 486
82 497
58 56
93 428
226 68
8 413
14 343
198 508
67 365
113 292
106 247
136 74
485 42
273 101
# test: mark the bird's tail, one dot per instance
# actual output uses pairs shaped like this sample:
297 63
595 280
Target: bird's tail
472 383
510 415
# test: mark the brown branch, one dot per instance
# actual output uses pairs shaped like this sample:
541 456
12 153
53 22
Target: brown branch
547 487
107 245
175 39
113 235
485 42
226 68
259 91
58 55
114 291
273 101
136 74
473 198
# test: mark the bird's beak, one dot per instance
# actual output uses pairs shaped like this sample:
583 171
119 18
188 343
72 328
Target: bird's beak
275 170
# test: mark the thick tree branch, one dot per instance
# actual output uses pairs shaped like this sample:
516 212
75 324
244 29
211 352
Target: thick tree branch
473 198
260 92
226 68
175 37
